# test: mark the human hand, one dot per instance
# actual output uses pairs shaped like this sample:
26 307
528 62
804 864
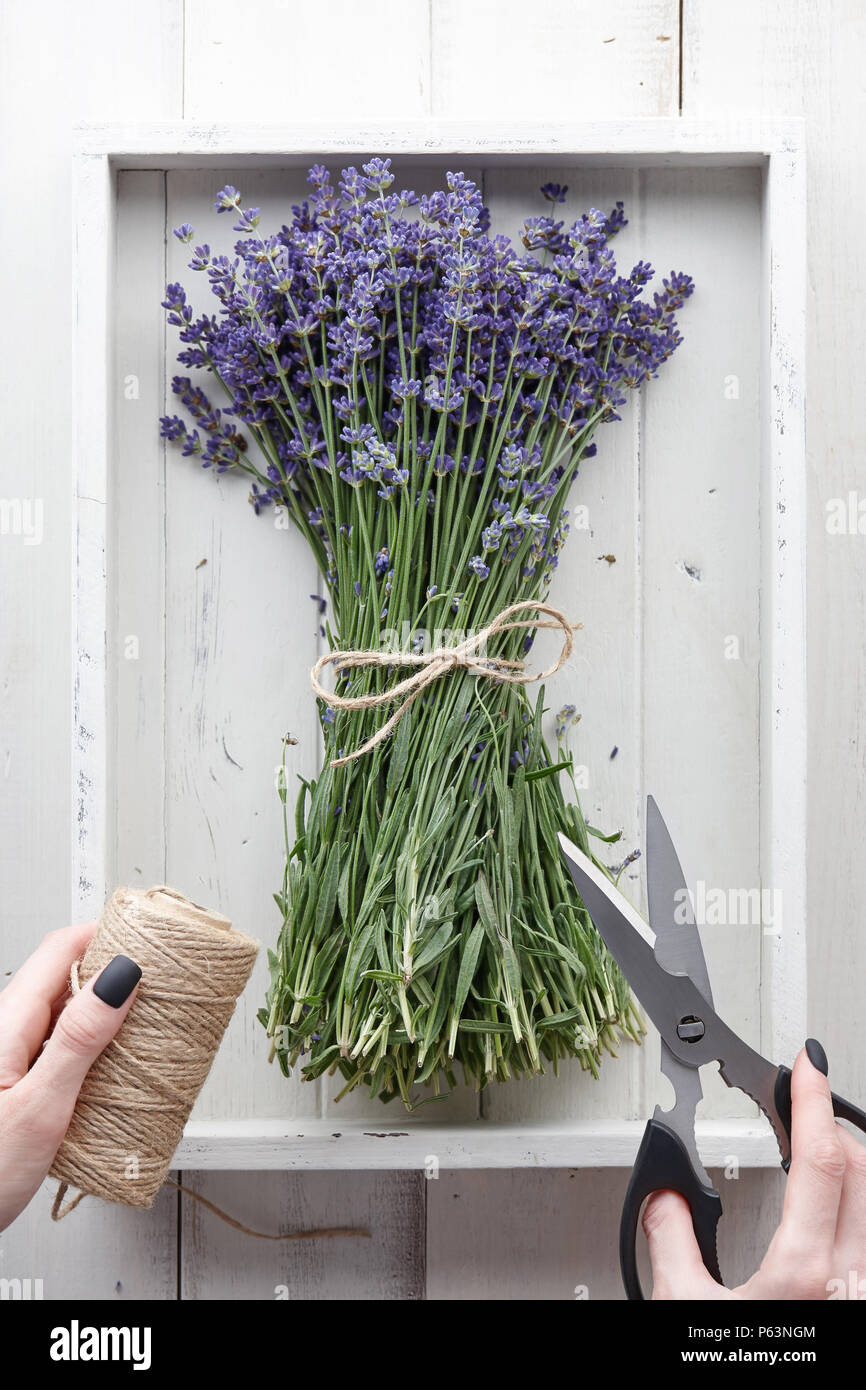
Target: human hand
37 1101
822 1234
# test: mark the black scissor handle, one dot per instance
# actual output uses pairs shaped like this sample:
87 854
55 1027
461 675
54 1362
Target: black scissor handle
843 1109
663 1162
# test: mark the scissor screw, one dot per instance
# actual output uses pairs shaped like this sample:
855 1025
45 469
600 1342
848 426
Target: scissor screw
690 1029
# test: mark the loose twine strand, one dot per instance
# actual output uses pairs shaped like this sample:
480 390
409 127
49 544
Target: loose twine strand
137 1096
58 1211
468 655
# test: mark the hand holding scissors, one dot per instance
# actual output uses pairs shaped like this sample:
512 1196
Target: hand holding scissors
664 964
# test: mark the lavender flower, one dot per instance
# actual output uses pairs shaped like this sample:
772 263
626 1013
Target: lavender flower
417 393
566 718
227 199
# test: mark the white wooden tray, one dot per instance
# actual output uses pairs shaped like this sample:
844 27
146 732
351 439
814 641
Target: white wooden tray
689 580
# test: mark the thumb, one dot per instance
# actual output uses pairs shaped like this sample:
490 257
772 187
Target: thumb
84 1027
678 1269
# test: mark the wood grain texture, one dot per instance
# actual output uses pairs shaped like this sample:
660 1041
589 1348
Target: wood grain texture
626 142
564 60
700 575
557 1233
55 71
543 1244
396 1142
99 1251
219 1262
135 657
806 60
280 60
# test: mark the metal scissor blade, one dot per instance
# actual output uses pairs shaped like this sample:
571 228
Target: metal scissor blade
671 999
678 949
666 998
678 944
627 936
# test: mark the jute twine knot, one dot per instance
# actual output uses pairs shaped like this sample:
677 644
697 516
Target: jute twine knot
468 655
137 1096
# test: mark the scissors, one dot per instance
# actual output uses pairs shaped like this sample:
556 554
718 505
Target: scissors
664 965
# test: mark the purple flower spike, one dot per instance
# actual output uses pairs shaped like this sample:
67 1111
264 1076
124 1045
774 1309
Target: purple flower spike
227 199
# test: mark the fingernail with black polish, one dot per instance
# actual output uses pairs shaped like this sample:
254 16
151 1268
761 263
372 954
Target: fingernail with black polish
117 981
817 1056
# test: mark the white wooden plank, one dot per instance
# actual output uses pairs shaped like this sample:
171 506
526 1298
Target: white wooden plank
557 1234
634 141
135 530
410 1142
788 57
55 74
94 210
784 723
101 1250
700 523
564 58
219 1262
283 58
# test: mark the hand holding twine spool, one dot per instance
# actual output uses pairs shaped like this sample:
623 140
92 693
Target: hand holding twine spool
138 1094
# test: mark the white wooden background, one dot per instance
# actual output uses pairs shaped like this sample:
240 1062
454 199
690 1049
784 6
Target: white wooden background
461 59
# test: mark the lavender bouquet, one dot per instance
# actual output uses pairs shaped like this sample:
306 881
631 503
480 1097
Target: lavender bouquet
418 394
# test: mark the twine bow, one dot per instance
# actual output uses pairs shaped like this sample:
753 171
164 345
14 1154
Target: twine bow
468 654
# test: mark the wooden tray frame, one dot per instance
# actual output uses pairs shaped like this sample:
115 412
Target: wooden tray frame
777 150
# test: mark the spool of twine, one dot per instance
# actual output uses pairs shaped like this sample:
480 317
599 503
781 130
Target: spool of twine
138 1094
